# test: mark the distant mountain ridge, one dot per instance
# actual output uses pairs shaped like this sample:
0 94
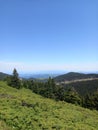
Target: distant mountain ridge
38 76
58 78
74 76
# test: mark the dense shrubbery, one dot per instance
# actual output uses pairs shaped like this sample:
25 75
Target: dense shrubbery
20 109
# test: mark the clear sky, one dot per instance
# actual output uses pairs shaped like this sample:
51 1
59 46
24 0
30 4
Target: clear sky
46 35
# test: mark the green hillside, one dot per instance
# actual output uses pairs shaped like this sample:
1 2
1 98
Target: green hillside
24 110
3 75
84 87
74 76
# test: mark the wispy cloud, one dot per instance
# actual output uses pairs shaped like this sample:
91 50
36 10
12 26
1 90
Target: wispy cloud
24 67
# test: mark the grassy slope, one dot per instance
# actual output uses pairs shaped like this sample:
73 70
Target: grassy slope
41 113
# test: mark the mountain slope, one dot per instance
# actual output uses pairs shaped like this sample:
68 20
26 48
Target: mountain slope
24 110
84 87
74 76
3 75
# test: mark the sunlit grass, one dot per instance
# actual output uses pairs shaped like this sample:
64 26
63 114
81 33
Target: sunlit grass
38 113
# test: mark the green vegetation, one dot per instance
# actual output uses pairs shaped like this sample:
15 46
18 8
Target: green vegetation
49 89
67 93
84 87
91 100
88 91
74 76
4 126
3 76
20 109
14 80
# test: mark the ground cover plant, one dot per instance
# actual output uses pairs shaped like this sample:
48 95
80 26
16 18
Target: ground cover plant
24 110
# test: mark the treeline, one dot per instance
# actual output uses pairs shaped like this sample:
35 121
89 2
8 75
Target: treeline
49 89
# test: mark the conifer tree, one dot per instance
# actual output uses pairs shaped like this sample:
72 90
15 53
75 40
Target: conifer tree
15 81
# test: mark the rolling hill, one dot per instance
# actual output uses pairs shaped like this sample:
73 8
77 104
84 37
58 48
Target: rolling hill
83 83
3 75
24 110
74 76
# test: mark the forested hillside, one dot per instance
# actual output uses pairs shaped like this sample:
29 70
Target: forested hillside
84 87
20 109
74 76
3 76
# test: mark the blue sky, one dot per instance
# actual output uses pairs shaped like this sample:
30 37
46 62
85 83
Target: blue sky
48 35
